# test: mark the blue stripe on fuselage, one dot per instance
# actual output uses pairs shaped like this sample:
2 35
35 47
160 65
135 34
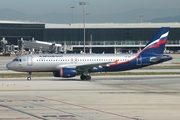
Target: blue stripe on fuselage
145 61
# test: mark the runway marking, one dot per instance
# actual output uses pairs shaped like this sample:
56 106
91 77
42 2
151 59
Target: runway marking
22 112
37 104
80 106
149 92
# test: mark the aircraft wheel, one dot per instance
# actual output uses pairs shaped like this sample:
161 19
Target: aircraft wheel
83 77
28 78
88 77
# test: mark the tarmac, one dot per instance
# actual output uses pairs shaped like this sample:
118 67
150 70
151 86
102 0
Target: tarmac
103 98
144 97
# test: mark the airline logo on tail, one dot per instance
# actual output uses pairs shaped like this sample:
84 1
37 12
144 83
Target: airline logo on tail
158 42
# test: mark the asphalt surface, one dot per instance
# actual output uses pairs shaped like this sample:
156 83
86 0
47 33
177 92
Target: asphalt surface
103 98
146 97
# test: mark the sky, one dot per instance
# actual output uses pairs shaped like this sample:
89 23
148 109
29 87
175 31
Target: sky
35 7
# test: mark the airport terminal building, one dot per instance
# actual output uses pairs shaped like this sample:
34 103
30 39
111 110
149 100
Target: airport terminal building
100 37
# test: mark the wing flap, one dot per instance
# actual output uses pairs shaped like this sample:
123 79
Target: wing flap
83 66
93 65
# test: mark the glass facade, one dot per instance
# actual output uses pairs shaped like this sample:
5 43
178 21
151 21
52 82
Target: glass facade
75 36
14 31
103 38
128 35
100 34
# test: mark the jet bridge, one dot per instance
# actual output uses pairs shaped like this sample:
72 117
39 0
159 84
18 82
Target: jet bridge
3 44
40 46
33 46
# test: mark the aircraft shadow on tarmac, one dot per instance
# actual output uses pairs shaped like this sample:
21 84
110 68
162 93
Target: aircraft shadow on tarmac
66 79
127 78
96 79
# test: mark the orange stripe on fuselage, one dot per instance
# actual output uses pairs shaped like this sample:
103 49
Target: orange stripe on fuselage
118 63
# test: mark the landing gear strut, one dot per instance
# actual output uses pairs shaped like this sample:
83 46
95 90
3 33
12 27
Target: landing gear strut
85 77
29 77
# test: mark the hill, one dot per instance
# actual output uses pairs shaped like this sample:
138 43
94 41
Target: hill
132 16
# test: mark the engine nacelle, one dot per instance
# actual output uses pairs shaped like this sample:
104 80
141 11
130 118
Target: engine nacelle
65 72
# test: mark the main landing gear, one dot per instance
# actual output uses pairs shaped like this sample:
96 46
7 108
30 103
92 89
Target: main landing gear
85 77
29 76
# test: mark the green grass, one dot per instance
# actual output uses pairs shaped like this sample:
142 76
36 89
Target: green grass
20 75
176 66
175 63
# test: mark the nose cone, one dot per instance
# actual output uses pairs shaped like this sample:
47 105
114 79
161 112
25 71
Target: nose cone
9 66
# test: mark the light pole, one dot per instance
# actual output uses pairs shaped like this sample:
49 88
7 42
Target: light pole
84 20
87 17
72 7
141 15
91 43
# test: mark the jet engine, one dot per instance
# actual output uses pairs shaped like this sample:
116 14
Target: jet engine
65 72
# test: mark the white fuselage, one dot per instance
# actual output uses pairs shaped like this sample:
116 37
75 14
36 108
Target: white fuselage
53 62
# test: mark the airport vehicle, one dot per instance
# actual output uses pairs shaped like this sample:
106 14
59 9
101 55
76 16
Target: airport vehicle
70 65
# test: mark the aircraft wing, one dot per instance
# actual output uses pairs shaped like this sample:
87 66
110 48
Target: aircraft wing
90 66
84 66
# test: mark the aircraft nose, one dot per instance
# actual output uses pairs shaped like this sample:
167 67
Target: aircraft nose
9 66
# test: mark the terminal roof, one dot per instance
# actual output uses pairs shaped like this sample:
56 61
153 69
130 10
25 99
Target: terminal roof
114 25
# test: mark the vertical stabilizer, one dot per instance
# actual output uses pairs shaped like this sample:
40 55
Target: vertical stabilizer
157 44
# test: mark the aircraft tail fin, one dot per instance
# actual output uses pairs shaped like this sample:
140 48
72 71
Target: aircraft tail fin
157 44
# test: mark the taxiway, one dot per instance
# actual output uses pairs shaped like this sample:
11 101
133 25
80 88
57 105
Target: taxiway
103 98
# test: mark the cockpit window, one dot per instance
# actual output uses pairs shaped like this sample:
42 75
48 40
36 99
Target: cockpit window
17 60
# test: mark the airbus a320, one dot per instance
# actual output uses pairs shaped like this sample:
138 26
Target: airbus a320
70 65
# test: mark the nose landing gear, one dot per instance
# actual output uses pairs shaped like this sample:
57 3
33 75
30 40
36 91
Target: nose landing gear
29 76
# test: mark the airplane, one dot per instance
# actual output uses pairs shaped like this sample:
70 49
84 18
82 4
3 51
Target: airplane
70 65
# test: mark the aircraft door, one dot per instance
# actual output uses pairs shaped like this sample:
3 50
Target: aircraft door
29 60
139 60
